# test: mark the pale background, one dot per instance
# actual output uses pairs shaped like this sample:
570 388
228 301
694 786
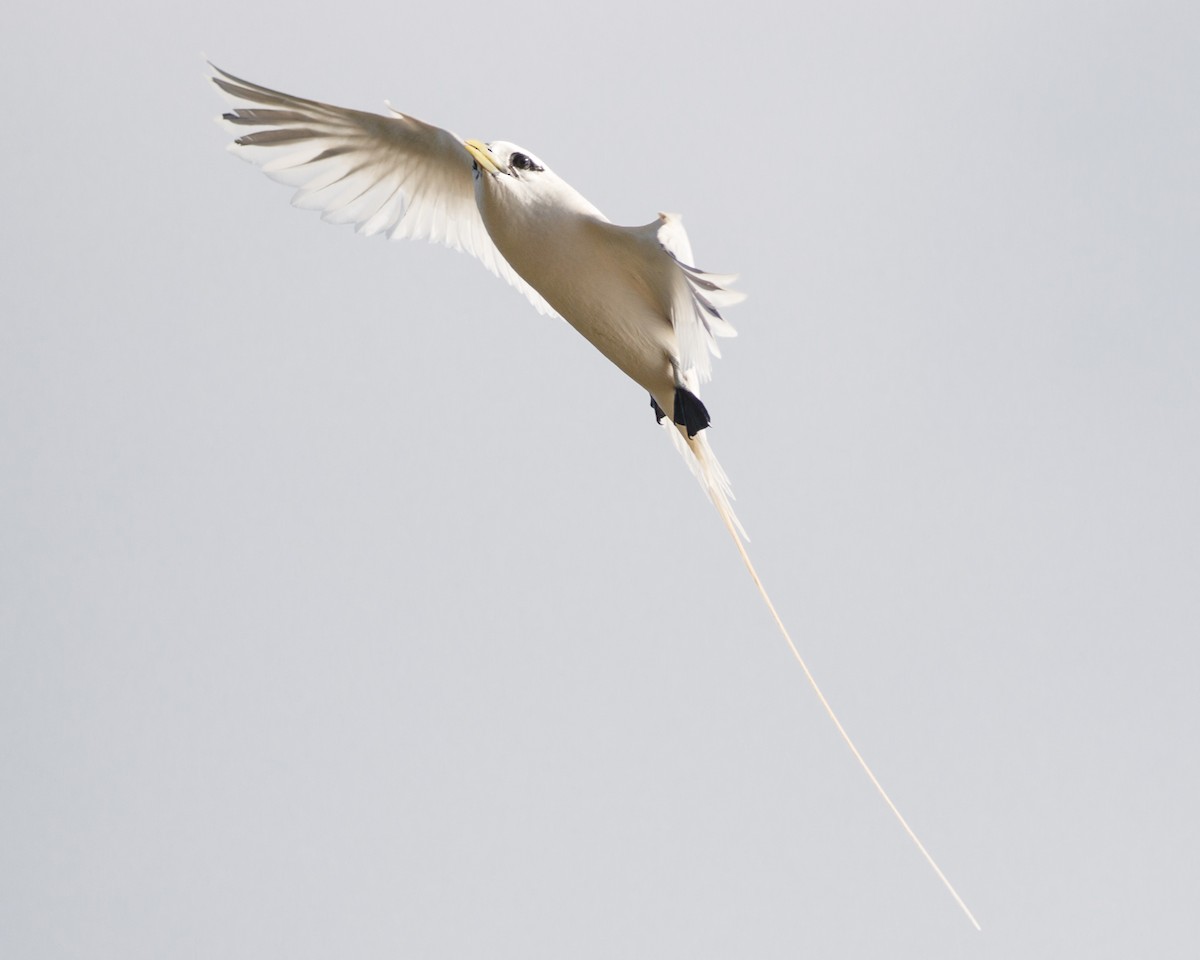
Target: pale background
350 609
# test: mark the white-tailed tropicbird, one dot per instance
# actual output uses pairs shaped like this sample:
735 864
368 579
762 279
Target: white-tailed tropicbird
633 292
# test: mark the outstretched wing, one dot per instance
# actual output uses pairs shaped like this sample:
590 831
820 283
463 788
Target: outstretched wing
391 175
695 299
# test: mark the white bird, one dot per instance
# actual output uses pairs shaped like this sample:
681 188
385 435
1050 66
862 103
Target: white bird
633 292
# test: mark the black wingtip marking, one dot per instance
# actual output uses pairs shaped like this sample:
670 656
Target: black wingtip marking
658 411
690 413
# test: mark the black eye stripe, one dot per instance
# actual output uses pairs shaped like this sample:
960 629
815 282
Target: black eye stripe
520 161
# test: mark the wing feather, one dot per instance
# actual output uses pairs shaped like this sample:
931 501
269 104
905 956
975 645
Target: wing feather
392 175
695 299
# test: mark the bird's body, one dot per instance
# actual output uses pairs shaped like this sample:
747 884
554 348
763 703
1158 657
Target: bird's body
627 320
633 292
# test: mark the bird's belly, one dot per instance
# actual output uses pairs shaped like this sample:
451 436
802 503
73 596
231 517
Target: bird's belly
613 311
632 343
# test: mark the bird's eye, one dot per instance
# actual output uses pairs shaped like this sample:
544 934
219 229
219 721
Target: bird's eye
520 161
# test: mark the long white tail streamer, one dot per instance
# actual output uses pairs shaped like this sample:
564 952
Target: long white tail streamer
713 480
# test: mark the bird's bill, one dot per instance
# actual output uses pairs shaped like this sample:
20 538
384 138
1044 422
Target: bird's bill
479 150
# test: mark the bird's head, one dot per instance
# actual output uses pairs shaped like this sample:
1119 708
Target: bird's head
503 159
509 178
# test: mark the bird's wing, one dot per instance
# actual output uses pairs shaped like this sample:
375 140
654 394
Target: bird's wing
695 297
392 175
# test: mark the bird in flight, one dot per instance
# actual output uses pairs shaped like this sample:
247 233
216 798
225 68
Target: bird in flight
633 292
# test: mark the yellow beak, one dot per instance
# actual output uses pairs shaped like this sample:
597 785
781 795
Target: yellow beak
479 151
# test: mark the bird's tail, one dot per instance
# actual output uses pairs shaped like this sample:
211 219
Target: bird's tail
699 456
704 466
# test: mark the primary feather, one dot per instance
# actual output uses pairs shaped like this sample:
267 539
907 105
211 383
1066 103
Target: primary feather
394 175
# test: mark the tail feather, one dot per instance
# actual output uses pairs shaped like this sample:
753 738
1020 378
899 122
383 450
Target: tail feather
701 460
704 465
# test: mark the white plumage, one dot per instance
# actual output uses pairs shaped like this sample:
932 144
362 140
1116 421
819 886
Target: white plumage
633 292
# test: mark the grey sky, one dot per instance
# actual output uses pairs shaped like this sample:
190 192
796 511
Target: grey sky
349 608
